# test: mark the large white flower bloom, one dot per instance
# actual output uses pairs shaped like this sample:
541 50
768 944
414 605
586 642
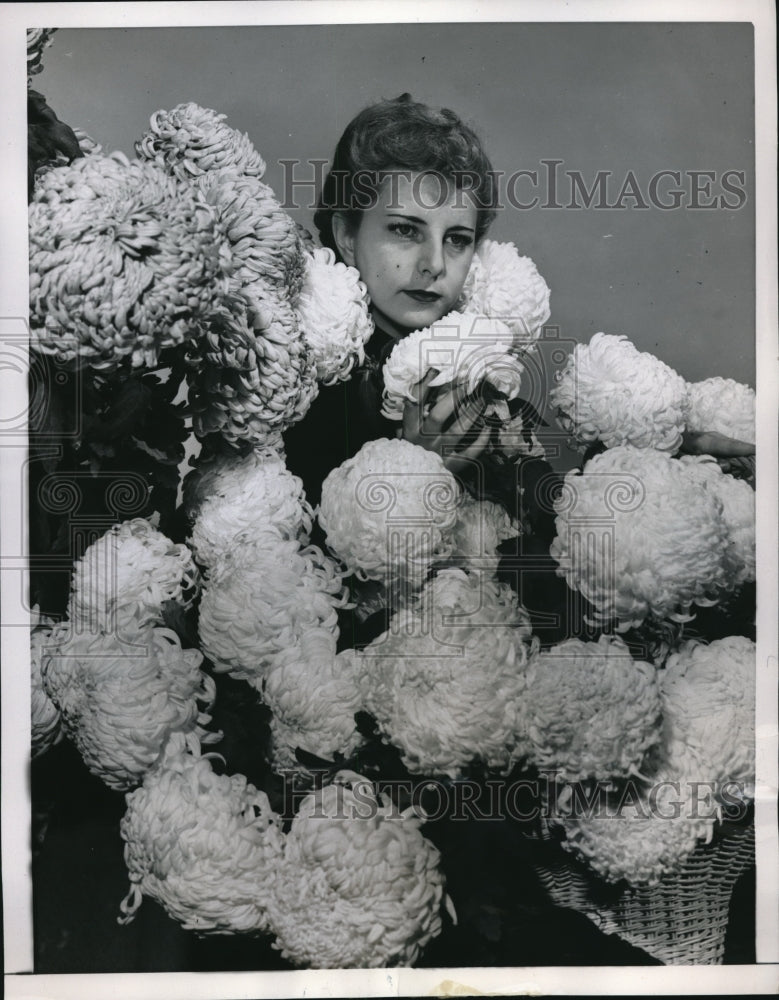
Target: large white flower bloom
313 694
637 536
333 313
359 886
609 391
724 406
124 261
120 699
462 347
127 575
709 711
45 716
255 377
388 511
260 599
738 510
203 845
190 141
265 246
231 495
480 528
503 285
644 840
446 680
590 709
88 145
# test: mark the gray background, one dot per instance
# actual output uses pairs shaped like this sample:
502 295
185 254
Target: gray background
617 97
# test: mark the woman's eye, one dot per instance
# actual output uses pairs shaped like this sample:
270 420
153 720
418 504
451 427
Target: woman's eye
460 240
403 229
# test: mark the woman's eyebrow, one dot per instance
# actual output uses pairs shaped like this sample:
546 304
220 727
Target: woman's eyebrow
408 218
422 222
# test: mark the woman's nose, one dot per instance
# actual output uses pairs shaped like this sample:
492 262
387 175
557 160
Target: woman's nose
431 261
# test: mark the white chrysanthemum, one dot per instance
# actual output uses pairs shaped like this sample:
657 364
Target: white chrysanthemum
388 511
255 376
205 846
645 840
480 528
724 406
45 716
124 261
260 599
232 494
333 313
264 242
709 711
120 699
38 39
88 145
313 694
611 392
359 887
638 537
446 680
461 347
128 574
189 141
503 285
590 710
738 510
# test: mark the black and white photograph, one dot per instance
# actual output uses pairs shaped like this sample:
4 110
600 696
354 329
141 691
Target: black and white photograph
388 532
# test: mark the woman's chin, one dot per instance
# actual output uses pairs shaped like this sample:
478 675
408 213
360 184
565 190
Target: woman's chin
400 323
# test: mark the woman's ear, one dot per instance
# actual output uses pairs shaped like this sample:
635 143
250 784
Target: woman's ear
343 235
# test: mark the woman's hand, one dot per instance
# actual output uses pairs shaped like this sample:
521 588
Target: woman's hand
732 454
449 425
718 445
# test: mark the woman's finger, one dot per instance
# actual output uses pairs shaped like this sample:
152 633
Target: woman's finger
414 410
412 420
478 446
421 387
467 417
718 445
459 461
441 412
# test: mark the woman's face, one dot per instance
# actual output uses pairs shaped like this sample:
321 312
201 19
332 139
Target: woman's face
413 249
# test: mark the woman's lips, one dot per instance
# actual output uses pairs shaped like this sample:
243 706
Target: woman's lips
421 296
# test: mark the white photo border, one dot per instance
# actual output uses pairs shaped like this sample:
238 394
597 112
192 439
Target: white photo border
761 978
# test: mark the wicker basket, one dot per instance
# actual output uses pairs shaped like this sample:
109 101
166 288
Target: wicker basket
680 921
